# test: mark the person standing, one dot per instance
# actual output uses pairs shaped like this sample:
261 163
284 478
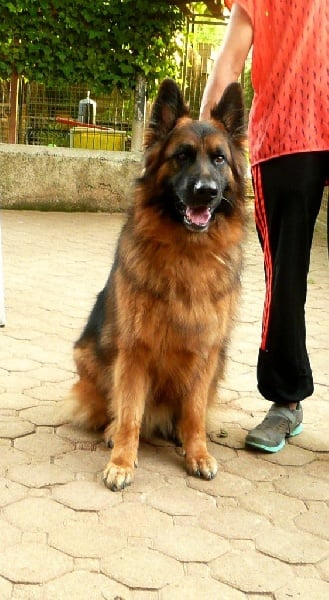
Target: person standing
289 153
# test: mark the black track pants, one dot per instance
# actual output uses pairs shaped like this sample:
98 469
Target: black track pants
288 193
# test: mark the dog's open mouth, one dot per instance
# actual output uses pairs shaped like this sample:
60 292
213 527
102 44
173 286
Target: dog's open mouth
197 218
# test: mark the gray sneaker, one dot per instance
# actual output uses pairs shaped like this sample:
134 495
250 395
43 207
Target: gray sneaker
280 423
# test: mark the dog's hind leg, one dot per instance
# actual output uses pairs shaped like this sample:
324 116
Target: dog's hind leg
85 406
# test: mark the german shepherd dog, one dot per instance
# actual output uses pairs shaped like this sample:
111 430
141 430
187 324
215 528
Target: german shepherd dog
153 350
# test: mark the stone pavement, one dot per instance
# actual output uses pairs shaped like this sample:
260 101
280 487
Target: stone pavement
260 530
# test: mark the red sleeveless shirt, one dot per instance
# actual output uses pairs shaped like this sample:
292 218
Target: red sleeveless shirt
290 75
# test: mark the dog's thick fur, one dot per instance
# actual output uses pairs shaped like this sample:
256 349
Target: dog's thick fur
153 350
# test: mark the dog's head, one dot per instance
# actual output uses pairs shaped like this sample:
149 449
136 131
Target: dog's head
195 169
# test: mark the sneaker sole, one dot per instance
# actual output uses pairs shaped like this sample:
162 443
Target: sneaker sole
274 449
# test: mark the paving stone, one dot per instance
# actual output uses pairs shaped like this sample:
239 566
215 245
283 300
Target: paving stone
11 427
5 589
39 492
304 589
144 595
5 443
136 520
51 373
224 485
290 455
186 503
190 544
315 520
39 475
259 596
11 456
28 592
39 353
33 563
234 439
222 453
18 364
86 495
226 416
34 537
199 570
315 440
253 402
15 401
192 588
43 414
318 469
303 487
10 492
293 547
77 434
246 381
146 482
254 469
38 514
43 445
306 571
234 523
9 535
84 461
142 568
274 506
13 383
82 585
324 569
49 391
90 540
251 572
163 460
87 564
55 493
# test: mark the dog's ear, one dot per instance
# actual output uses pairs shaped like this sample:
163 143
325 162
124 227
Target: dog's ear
230 110
167 108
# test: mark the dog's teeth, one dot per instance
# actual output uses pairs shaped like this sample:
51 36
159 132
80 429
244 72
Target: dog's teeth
198 216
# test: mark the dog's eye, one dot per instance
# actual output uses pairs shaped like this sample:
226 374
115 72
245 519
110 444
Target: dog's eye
219 159
181 156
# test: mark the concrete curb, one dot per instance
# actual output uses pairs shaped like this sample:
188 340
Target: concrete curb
42 178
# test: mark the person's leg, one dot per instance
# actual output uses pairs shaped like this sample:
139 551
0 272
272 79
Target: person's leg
328 222
288 192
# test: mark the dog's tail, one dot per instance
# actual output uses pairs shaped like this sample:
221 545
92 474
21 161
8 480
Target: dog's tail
85 407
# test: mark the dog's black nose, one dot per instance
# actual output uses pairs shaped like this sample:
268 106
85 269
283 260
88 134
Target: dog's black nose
205 190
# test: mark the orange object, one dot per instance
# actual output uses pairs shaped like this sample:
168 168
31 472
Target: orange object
74 123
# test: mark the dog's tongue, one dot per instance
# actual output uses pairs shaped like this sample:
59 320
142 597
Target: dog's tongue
199 215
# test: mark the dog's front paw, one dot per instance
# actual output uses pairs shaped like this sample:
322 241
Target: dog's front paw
204 466
117 477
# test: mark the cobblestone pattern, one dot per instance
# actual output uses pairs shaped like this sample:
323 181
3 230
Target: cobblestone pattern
260 530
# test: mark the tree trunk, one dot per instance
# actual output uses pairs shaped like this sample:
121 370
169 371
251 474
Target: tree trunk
139 114
13 114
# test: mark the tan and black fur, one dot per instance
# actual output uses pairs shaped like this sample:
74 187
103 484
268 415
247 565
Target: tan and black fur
153 350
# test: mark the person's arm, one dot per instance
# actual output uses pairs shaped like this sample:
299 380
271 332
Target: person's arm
230 59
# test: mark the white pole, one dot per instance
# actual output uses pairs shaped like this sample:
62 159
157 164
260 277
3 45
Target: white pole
2 298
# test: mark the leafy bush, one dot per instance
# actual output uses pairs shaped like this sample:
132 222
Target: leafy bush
107 42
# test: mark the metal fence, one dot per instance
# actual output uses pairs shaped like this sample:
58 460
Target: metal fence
50 116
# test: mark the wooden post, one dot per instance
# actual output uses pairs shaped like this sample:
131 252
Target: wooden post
13 109
139 115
